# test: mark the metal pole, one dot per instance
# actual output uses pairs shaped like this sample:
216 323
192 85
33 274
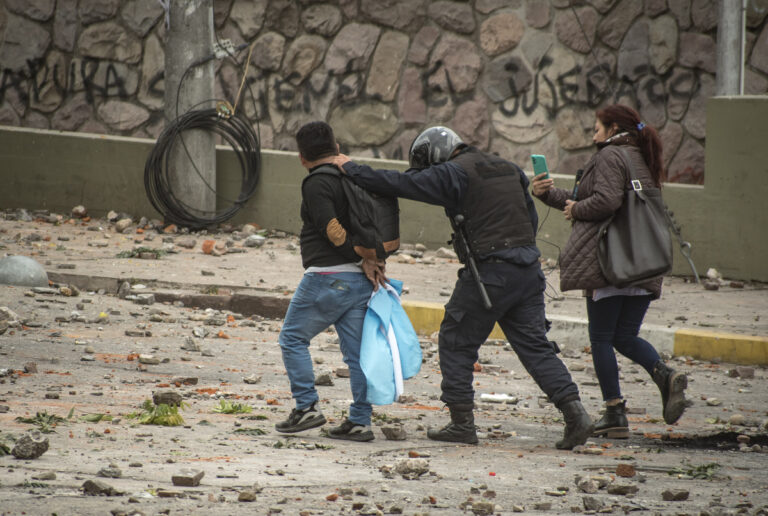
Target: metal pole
729 48
192 162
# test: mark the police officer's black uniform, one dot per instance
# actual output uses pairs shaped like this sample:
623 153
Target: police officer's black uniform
492 195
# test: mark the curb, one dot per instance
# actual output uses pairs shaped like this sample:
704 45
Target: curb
567 331
573 332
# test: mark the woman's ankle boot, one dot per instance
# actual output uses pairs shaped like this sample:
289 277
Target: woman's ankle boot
672 385
613 424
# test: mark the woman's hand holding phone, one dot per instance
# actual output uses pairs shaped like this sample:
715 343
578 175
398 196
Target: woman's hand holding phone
541 184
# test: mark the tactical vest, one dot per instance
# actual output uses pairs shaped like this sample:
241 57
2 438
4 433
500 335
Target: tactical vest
374 219
494 208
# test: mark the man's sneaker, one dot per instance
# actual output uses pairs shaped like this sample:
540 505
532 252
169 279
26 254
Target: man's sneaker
300 420
351 432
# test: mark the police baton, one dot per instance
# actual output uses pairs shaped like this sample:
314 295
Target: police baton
458 226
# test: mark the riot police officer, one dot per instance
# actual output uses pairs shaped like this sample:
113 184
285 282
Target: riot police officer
495 221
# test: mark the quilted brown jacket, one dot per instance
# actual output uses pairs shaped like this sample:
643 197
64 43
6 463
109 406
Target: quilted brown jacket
600 193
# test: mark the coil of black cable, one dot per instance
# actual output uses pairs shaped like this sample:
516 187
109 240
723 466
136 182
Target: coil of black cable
236 131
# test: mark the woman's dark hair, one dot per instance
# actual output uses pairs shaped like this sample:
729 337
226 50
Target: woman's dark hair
315 140
648 141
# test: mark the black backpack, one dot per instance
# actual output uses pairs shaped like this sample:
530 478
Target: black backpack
374 219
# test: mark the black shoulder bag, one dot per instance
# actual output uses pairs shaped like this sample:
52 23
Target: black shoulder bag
634 244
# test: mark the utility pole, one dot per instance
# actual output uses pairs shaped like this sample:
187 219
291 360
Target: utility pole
190 39
730 58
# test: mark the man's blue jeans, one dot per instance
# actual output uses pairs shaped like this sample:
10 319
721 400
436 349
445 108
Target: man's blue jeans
321 300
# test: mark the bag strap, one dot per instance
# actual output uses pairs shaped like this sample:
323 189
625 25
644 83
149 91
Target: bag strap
674 227
635 183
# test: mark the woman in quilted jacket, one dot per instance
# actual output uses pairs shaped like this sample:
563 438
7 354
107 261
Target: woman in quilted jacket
615 314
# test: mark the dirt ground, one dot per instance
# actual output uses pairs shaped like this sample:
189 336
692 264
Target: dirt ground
86 352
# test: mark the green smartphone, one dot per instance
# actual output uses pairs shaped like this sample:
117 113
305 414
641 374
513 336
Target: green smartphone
539 165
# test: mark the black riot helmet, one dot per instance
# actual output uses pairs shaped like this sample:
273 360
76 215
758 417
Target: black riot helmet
434 145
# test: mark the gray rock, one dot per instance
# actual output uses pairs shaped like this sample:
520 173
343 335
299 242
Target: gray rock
324 19
249 17
651 101
410 102
444 252
268 51
47 475
152 68
124 290
403 15
698 51
522 128
254 241
411 468
141 15
171 398
759 56
187 243
352 48
187 478
246 496
601 5
39 10
671 135
384 74
324 380
537 14
121 115
368 123
472 123
695 121
488 6
8 116
653 8
394 433
704 14
91 11
422 44
674 495
588 486
501 32
663 43
454 16
622 489
633 58
146 359
681 86
110 41
31 445
460 60
592 503
99 488
302 57
486 508
342 372
25 40
110 472
190 344
570 33
574 127
22 271
65 26
614 26
145 299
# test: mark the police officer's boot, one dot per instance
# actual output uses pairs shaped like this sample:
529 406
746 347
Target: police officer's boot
461 429
672 385
613 424
578 425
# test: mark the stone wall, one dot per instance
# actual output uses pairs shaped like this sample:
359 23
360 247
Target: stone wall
512 76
